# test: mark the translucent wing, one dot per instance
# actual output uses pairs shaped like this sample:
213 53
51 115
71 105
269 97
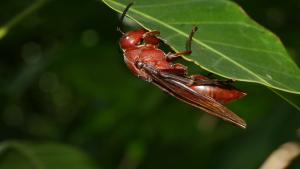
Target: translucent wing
177 87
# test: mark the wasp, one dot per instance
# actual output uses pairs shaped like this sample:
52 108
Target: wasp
144 59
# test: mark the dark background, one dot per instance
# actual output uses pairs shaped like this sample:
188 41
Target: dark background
63 81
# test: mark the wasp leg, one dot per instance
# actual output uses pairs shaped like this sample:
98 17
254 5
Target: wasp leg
172 56
151 33
151 38
188 47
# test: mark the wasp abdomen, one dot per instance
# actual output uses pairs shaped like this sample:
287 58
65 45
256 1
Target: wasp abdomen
220 94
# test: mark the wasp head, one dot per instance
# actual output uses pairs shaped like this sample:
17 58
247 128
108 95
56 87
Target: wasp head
132 38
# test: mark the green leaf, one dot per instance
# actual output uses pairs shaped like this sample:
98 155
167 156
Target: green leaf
15 155
228 42
293 99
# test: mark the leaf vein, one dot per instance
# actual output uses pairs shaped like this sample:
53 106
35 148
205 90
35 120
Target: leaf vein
242 47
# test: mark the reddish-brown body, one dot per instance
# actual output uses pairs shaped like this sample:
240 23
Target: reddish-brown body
143 58
148 53
222 94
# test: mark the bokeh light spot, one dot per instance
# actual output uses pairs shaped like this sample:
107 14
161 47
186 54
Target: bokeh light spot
49 82
13 115
90 38
31 52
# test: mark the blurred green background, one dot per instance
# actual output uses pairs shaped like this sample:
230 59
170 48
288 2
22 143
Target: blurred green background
68 100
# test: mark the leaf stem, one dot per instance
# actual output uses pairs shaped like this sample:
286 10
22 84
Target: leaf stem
19 17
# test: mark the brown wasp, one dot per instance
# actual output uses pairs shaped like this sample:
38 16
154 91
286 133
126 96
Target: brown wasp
148 62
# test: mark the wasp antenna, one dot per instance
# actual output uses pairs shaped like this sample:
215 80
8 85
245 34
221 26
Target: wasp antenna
189 40
123 16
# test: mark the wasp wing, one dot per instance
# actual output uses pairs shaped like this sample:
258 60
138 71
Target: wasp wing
177 87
